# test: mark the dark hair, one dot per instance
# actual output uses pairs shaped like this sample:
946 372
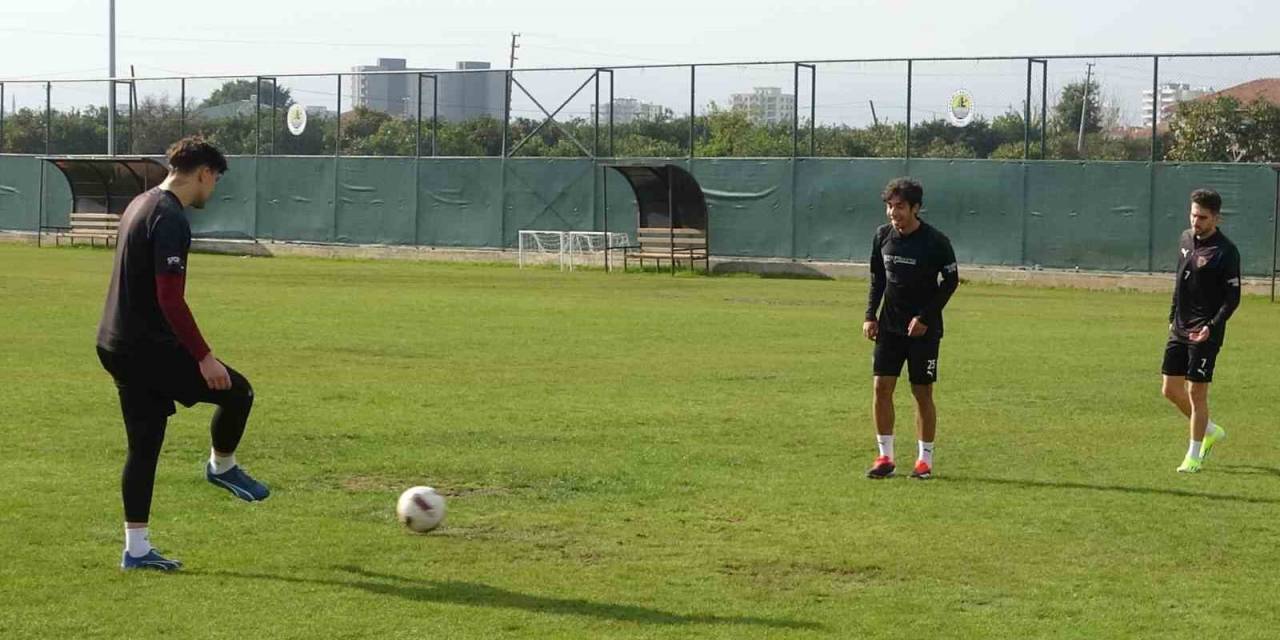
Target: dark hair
192 152
1208 199
906 188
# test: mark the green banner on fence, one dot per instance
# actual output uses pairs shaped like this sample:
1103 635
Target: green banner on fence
1122 216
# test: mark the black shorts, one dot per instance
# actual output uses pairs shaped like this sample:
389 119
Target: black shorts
920 354
1193 360
150 381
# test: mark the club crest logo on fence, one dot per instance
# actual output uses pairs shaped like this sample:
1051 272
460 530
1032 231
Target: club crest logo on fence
960 109
296 119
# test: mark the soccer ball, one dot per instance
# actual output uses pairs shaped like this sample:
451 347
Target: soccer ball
420 509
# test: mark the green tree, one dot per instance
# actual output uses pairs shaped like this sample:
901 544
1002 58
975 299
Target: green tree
245 91
940 148
367 132
1066 112
1262 131
640 146
938 137
1207 131
157 124
81 131
1224 130
1014 151
480 136
731 134
23 131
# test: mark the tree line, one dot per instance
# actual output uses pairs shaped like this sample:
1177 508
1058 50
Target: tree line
1221 129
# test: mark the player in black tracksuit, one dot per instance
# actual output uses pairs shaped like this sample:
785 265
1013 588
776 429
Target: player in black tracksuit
149 342
1207 292
913 270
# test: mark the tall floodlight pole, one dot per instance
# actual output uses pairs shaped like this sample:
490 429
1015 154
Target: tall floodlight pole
111 84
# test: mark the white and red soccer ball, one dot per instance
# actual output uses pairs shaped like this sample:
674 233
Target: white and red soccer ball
420 509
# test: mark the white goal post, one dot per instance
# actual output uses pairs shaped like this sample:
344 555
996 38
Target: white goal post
568 249
543 247
591 247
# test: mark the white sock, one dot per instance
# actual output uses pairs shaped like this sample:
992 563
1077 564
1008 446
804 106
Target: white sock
1193 451
220 463
1213 429
885 444
137 542
926 452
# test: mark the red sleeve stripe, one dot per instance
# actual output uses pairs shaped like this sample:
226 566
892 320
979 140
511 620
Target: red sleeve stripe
170 294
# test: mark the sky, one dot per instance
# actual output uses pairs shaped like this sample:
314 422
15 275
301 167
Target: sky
66 39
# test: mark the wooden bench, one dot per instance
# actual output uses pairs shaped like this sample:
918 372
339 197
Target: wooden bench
674 245
91 226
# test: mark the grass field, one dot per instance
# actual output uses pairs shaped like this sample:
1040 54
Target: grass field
634 456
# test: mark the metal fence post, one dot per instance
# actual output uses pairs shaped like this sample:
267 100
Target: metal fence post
417 123
1155 142
337 135
133 100
182 109
611 152
275 115
502 165
906 154
506 116
795 112
595 119
1026 117
1044 108
48 118
40 208
435 113
337 165
1275 234
257 116
1155 105
693 86
813 111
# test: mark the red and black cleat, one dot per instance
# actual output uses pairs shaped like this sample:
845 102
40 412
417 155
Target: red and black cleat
922 471
883 468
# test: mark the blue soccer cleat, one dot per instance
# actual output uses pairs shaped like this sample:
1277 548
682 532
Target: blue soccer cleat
153 560
239 483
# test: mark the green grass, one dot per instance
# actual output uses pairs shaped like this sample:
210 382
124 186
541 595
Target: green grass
633 456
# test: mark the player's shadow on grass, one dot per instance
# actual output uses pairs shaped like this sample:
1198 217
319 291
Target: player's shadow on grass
1181 493
1249 470
475 594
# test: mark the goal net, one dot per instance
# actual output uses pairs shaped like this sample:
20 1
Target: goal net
590 247
543 247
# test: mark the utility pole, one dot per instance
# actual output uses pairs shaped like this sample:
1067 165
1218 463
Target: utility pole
111 71
511 65
874 119
514 46
1084 107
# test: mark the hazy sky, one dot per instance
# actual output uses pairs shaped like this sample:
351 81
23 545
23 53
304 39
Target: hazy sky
58 39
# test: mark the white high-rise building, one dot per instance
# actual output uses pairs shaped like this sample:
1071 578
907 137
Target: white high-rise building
462 96
1171 94
627 110
765 105
381 92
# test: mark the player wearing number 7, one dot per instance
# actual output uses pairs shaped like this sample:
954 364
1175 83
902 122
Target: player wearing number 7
1207 292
